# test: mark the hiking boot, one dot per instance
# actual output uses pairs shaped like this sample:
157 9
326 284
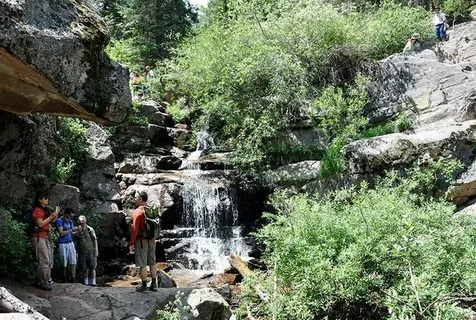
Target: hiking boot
153 287
46 288
141 288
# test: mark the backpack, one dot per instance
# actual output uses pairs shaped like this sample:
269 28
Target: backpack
152 222
30 223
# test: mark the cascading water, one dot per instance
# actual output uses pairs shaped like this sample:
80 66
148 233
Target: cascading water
210 214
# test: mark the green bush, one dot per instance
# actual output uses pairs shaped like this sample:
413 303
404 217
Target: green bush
16 254
61 170
383 253
255 72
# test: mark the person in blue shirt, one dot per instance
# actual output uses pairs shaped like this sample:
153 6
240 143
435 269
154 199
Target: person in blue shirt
67 252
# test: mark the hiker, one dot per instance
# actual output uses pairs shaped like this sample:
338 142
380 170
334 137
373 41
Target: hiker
149 74
413 44
67 252
136 83
42 217
439 21
142 248
87 251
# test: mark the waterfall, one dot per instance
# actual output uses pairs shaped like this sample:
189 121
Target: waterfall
210 213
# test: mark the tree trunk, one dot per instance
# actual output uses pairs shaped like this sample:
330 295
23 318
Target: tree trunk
10 303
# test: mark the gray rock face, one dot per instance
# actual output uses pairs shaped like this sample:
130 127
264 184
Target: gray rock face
433 92
207 304
52 60
295 173
73 301
97 180
438 91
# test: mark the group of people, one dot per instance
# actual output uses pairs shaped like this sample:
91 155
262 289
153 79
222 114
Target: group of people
440 25
86 246
139 88
86 249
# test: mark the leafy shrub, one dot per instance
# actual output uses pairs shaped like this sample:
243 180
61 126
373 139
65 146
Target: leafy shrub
61 171
402 123
383 253
16 255
255 72
458 8
69 165
174 310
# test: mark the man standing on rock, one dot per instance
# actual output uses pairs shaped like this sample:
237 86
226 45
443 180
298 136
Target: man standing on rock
88 251
41 220
143 249
67 251
439 21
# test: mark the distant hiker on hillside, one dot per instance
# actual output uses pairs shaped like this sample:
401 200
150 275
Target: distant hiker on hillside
413 44
67 251
136 83
142 246
41 218
439 21
88 251
149 74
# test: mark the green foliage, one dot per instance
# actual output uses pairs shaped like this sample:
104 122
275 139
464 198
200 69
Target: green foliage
179 113
340 114
332 162
69 165
62 170
174 310
402 123
383 253
458 8
255 71
145 31
16 255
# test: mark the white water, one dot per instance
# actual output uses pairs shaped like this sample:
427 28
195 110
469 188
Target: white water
210 209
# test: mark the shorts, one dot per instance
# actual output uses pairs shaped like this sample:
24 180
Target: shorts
67 254
87 261
144 252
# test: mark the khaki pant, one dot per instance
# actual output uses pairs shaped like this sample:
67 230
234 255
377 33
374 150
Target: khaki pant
42 254
144 252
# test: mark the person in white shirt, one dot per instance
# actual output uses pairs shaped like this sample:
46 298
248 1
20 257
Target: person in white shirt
413 44
439 21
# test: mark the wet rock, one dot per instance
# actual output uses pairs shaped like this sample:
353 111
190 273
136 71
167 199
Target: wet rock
180 138
148 163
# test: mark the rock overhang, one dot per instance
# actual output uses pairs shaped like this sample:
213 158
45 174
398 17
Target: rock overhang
52 61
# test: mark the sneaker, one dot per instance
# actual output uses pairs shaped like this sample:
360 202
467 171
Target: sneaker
153 287
50 281
141 288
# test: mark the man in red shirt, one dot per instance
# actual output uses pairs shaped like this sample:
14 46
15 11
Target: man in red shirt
143 249
40 241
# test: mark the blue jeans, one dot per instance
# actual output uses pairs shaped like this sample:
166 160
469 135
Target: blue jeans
440 31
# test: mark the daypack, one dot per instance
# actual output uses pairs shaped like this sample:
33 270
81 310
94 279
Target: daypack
30 223
152 222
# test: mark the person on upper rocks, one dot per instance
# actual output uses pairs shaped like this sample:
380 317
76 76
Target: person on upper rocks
413 44
67 251
439 21
142 248
42 218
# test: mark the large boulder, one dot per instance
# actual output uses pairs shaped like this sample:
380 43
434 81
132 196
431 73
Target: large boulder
207 304
52 60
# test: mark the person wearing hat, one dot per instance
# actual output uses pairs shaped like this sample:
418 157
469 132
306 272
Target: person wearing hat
66 249
413 44
439 21
88 251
